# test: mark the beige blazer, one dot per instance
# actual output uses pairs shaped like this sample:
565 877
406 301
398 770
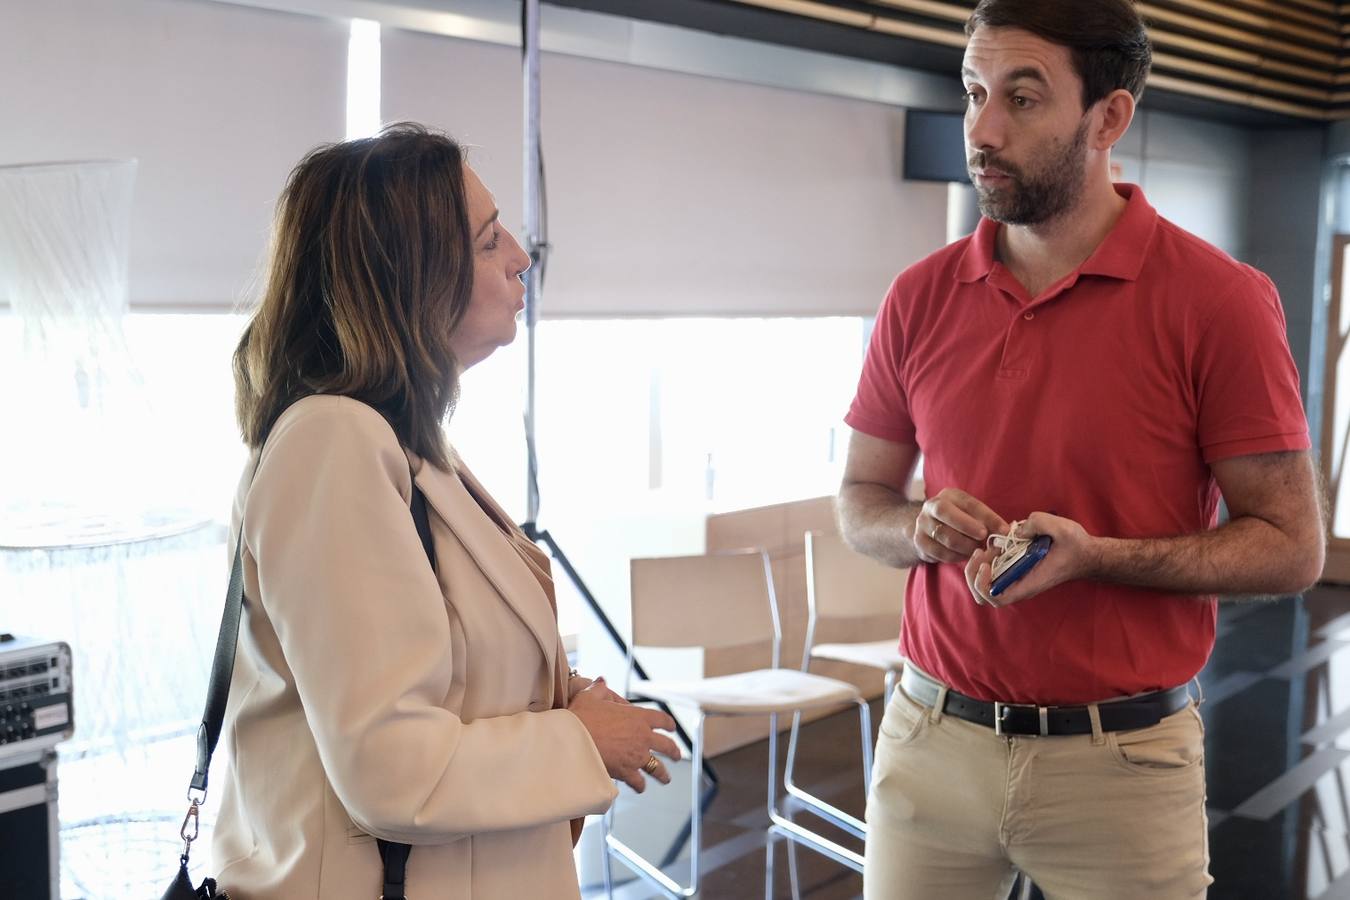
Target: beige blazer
372 697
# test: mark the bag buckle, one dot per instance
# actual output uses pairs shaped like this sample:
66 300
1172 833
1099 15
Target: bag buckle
188 837
1003 710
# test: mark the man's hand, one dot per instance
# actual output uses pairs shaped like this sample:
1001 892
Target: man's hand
954 525
1073 556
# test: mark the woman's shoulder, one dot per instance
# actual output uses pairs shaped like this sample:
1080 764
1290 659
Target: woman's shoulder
332 416
328 431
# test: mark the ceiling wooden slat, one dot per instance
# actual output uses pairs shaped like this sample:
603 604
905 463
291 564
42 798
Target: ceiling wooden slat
1282 56
1256 101
919 32
1174 64
1323 34
1323 20
1238 36
823 11
938 10
1243 58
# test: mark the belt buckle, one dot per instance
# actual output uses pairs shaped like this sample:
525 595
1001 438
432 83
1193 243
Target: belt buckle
1001 711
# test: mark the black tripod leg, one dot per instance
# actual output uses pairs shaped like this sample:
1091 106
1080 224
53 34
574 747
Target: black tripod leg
535 534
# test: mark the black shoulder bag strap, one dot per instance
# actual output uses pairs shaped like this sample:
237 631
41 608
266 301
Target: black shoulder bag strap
394 856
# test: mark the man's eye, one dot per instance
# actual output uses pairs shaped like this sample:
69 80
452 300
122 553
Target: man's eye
1021 102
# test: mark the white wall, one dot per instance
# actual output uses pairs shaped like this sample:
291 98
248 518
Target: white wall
676 194
216 102
1195 172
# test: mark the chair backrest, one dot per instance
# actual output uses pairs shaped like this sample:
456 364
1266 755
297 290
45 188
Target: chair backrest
842 583
718 600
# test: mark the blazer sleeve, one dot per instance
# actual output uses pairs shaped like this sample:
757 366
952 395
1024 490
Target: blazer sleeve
363 627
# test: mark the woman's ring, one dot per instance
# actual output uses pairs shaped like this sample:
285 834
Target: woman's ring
651 765
933 534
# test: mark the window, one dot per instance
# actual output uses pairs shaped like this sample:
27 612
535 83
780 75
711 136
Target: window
644 427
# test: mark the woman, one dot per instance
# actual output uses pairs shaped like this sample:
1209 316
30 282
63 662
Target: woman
374 697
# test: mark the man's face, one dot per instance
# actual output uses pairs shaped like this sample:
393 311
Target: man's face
1026 130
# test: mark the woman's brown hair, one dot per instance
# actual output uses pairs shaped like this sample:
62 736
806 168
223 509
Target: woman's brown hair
370 270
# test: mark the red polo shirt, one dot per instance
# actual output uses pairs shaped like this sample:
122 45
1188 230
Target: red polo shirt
1104 399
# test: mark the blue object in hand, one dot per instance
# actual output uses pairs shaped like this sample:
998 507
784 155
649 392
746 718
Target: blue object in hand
1034 553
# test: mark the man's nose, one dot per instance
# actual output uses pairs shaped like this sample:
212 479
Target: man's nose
984 128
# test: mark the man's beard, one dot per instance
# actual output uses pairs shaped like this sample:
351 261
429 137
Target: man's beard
1032 198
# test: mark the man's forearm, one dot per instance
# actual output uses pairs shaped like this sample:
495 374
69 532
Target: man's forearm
879 522
1246 556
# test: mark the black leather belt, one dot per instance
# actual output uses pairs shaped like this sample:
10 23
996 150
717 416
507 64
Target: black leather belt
1028 719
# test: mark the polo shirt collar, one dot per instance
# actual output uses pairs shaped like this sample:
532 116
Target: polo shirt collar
1121 255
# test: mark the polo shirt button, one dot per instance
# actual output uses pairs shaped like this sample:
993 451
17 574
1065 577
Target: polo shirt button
1029 316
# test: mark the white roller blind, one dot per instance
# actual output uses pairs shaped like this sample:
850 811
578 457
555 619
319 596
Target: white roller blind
216 101
673 194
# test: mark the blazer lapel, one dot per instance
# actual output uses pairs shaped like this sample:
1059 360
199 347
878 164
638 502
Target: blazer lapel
493 553
537 559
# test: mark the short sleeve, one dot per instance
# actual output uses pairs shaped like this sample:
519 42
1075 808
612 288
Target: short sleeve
1247 387
880 407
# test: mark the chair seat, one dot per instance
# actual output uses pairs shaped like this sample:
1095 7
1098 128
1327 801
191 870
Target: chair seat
759 692
877 654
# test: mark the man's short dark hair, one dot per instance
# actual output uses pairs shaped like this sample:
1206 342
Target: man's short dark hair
1110 47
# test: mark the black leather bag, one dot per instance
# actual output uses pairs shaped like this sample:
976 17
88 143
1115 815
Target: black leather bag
394 856
182 889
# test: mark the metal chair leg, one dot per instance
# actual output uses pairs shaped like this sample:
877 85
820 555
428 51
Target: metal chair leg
790 829
770 844
635 861
851 824
794 881
604 852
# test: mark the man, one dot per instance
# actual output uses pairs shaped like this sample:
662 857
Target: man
1086 366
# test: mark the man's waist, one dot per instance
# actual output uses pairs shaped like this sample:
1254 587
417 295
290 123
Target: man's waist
1111 714
1084 647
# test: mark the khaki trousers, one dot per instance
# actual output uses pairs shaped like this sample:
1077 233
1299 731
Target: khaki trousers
1108 816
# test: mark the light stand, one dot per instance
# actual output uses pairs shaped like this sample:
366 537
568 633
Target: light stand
536 245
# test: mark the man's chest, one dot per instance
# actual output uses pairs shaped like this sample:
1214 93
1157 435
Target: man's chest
1094 387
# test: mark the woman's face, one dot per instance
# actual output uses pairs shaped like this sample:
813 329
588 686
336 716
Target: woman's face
498 292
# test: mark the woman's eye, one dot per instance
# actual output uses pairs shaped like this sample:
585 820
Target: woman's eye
492 244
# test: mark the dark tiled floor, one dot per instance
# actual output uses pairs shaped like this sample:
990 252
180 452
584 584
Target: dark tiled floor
1277 719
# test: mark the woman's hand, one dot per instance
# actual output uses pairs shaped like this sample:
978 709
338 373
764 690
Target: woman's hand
625 735
578 683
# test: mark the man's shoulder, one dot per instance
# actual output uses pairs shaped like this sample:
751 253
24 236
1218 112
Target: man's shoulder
1180 254
943 260
933 275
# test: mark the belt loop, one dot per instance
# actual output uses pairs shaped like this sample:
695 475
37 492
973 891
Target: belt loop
935 714
1095 716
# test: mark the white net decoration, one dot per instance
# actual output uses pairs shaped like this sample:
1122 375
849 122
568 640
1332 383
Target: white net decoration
93 549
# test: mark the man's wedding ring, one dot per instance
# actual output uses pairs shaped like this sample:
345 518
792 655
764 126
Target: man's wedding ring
651 765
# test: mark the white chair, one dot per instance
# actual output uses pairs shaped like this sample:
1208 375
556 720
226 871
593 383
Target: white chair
843 585
725 600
